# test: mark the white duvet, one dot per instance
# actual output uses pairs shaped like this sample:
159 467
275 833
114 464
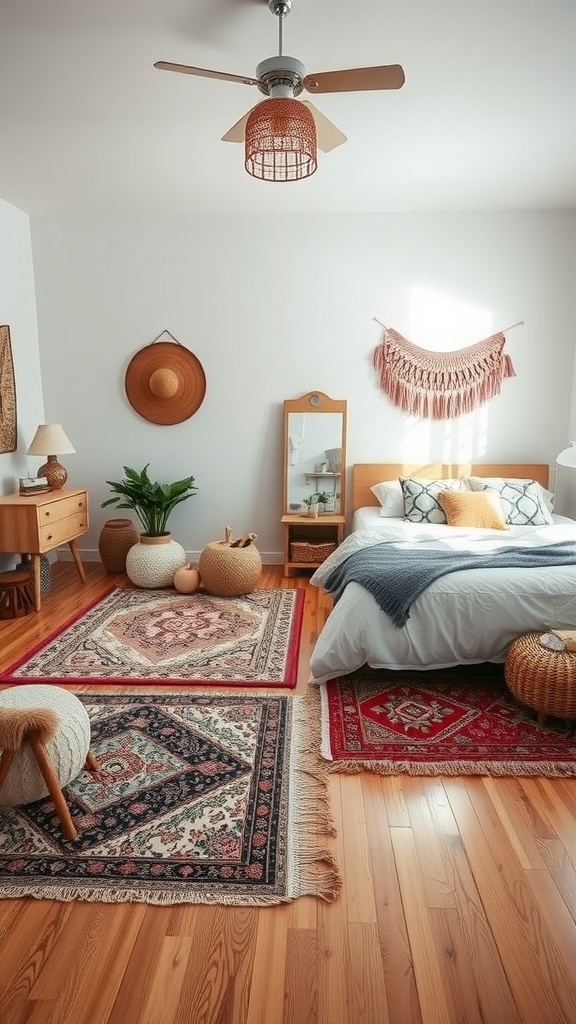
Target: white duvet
464 617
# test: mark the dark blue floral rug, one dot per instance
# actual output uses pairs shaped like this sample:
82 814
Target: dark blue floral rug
199 798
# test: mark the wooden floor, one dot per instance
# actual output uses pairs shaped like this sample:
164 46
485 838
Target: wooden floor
458 905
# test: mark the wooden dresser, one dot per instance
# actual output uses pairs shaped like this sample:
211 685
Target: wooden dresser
34 524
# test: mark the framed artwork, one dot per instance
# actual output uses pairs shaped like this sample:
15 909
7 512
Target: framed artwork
8 437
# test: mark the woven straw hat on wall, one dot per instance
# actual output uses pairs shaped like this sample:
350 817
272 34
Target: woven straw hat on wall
165 382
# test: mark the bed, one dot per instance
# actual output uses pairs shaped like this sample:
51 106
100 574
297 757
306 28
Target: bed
463 617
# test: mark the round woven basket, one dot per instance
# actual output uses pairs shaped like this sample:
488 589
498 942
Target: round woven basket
542 679
229 572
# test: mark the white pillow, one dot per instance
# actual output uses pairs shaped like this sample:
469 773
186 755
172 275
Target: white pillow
421 503
389 494
523 501
478 483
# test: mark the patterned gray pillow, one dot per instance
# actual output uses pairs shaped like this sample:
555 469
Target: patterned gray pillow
522 503
421 498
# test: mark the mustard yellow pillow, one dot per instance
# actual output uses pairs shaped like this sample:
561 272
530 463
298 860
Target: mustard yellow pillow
463 508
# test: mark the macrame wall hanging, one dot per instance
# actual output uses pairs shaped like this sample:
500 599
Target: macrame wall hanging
441 385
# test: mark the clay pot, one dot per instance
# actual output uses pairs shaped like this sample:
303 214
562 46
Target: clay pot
187 579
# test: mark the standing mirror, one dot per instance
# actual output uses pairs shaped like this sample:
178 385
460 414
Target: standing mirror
314 453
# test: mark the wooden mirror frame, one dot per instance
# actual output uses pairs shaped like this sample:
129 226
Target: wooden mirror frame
316 403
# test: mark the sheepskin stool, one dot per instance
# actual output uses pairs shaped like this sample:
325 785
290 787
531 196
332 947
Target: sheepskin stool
44 745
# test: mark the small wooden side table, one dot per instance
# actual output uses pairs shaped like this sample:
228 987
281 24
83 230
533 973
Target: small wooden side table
15 594
35 523
324 529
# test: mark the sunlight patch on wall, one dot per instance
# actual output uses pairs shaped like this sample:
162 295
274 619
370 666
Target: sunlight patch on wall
440 322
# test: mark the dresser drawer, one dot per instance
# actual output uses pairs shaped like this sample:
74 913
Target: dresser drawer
63 531
62 509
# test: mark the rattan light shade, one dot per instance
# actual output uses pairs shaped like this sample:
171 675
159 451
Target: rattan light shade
280 141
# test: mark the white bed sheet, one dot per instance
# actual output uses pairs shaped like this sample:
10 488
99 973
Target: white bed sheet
463 618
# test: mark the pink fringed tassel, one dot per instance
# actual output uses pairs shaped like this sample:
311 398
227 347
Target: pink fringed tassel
441 385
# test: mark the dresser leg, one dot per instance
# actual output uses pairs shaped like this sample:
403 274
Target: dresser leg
76 556
36 582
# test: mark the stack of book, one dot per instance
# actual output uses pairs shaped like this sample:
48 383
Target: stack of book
33 485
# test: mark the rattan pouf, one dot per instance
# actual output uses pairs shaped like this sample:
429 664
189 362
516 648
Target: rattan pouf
543 680
229 572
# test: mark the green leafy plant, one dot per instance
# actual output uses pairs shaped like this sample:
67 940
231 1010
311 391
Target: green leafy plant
152 502
316 498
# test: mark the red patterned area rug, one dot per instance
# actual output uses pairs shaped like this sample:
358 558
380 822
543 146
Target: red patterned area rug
199 798
162 637
459 721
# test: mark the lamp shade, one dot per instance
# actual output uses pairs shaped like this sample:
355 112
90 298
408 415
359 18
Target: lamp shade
50 439
280 140
565 482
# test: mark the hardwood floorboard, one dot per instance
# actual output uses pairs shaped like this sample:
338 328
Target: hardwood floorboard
458 904
397 966
541 982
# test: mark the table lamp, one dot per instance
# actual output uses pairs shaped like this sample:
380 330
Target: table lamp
51 440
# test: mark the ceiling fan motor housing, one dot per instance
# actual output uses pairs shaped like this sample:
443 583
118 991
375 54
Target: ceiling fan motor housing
280 7
281 71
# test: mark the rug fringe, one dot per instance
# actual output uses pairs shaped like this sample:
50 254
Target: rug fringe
544 769
318 873
162 899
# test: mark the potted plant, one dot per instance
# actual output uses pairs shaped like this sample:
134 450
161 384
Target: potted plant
153 561
312 501
152 502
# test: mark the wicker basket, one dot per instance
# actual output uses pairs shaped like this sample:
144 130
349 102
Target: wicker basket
542 679
229 572
306 551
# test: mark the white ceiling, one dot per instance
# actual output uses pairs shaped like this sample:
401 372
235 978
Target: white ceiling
486 118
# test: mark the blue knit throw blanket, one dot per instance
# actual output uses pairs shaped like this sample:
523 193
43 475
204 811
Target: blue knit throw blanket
396 576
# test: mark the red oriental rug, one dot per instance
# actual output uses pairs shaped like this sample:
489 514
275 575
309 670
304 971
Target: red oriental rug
459 721
135 637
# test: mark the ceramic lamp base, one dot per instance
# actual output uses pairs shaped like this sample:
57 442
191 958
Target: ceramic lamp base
55 474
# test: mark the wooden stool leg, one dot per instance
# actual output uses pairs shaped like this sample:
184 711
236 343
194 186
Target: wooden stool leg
91 763
541 718
53 785
5 762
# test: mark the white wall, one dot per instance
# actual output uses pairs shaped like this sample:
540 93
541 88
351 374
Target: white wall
18 310
274 307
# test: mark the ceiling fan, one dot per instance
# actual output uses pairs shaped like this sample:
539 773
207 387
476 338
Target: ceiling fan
283 77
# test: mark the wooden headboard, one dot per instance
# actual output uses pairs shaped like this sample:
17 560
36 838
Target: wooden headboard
365 474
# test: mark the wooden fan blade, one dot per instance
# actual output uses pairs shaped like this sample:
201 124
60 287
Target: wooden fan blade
237 131
186 69
389 76
328 136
